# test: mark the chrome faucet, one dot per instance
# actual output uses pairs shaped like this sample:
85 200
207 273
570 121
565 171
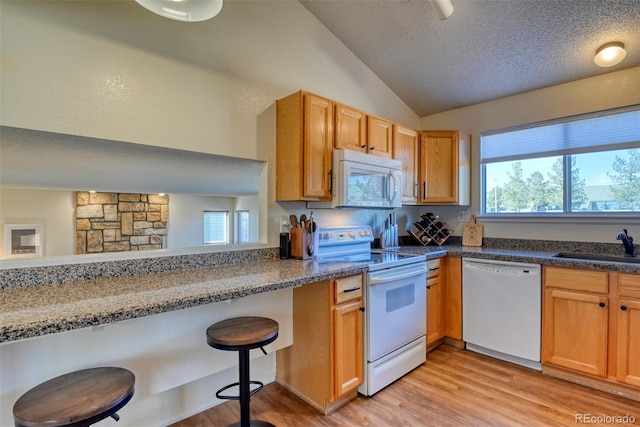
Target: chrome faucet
627 241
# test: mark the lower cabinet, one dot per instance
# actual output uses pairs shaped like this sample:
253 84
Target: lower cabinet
628 336
444 301
324 366
591 325
435 303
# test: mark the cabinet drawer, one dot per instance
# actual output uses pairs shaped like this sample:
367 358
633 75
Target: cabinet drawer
347 289
433 268
577 280
629 285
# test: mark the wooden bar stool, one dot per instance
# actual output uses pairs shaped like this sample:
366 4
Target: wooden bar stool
76 399
242 334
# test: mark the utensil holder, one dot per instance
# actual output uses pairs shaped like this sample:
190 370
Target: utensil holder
300 241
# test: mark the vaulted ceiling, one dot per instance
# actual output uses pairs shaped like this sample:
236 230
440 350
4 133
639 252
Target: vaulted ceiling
487 49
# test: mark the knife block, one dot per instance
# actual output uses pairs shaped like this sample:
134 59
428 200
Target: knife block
300 241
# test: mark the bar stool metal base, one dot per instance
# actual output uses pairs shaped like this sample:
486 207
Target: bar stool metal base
241 335
252 423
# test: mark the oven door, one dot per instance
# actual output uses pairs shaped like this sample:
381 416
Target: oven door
396 308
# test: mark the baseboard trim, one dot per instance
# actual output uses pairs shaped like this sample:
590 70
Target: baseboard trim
617 389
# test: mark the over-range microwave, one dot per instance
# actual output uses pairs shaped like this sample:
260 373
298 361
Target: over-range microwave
362 180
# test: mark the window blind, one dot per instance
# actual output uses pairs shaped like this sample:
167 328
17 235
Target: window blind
242 226
611 130
215 227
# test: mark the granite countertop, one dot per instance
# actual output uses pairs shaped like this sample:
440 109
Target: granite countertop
520 255
39 310
45 300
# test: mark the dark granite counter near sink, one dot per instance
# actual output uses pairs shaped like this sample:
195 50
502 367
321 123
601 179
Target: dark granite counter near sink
521 253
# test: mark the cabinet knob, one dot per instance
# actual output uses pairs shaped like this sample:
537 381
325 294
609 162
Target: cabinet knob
623 307
428 286
602 304
362 309
363 146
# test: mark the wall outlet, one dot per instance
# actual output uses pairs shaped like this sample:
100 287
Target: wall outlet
463 216
285 225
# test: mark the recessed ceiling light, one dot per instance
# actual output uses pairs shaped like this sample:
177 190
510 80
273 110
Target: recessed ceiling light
610 54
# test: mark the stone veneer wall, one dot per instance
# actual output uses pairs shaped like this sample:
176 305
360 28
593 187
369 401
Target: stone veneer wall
117 222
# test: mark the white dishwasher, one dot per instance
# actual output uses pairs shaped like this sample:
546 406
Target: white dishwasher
501 310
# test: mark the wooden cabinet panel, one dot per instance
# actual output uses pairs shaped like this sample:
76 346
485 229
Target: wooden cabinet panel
452 271
444 168
575 331
577 279
304 142
348 348
405 149
629 285
351 128
318 145
629 341
324 366
435 310
379 136
347 289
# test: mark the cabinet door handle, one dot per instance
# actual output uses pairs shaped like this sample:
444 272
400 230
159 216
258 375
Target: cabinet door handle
351 289
331 181
362 309
428 286
602 304
363 146
372 148
623 307
434 268
424 189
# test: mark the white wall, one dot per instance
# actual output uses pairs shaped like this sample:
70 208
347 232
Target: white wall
602 92
177 373
54 211
113 70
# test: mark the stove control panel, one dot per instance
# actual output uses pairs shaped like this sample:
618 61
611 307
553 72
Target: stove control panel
340 235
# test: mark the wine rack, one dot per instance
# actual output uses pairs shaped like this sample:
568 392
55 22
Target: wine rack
430 230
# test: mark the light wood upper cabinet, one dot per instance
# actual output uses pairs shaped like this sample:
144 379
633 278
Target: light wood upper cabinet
379 136
444 168
405 149
304 142
351 128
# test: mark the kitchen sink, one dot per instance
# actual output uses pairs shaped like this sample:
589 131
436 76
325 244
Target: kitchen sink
596 257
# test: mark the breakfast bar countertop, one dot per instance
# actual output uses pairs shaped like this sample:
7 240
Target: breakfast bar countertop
32 311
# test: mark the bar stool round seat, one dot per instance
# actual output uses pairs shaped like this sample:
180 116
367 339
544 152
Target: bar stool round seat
79 398
242 334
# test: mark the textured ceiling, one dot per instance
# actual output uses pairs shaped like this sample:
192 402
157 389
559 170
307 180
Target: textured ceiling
487 49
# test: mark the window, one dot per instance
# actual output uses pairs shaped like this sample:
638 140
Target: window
242 226
216 224
577 165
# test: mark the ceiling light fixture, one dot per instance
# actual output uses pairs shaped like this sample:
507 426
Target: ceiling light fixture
443 8
184 10
610 54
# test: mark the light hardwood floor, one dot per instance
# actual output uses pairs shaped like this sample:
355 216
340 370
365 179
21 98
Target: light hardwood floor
453 388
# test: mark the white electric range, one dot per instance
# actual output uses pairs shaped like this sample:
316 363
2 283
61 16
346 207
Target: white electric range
394 299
